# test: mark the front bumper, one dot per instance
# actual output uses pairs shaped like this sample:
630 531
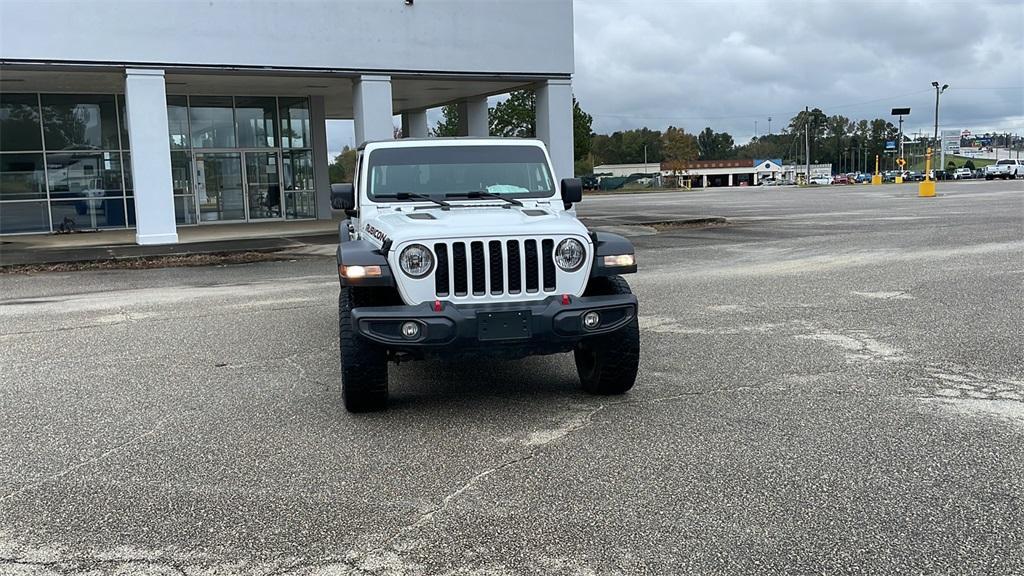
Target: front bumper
544 326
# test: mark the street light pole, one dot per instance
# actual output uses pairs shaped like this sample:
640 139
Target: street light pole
939 91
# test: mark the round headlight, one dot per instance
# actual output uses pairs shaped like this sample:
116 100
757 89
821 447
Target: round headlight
569 254
416 261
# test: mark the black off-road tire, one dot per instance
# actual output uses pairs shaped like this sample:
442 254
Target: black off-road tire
364 364
607 364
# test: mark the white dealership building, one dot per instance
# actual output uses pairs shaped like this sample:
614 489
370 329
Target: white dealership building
158 114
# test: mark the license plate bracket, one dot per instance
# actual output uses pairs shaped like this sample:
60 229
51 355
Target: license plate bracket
511 325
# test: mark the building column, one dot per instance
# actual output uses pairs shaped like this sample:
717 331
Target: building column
414 124
704 181
371 108
730 178
755 179
474 118
145 96
321 172
554 124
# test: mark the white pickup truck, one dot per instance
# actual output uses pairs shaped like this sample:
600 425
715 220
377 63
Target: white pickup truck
1005 169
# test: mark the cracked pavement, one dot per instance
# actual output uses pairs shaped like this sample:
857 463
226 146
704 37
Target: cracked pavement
832 383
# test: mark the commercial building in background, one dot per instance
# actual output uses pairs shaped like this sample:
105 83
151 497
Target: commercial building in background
154 115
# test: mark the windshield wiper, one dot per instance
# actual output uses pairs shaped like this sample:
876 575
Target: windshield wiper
413 195
483 194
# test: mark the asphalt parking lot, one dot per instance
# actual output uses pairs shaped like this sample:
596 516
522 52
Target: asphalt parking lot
833 382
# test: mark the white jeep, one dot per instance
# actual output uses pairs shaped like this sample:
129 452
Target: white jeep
467 248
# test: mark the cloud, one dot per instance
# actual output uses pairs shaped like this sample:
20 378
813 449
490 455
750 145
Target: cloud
728 64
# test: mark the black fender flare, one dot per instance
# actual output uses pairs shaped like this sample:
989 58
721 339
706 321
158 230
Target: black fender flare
608 244
362 253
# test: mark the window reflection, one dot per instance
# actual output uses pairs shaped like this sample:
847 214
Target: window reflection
255 118
212 122
177 121
22 177
80 122
19 122
294 122
84 175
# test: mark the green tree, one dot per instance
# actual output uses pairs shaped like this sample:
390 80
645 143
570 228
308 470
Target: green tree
516 117
678 146
715 145
969 164
343 168
448 125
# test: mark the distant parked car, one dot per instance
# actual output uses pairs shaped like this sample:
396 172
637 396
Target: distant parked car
912 176
861 178
840 179
963 174
1004 169
821 180
590 182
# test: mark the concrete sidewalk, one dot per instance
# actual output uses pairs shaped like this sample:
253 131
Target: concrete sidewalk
206 239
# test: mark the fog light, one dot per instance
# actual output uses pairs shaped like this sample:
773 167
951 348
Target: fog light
411 330
591 320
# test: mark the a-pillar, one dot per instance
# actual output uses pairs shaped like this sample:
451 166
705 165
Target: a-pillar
554 124
321 172
371 108
473 117
145 96
414 124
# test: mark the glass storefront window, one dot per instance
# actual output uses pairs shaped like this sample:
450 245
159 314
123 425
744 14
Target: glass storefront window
123 121
80 122
256 119
298 170
185 210
294 122
84 174
300 204
22 177
19 123
181 173
212 122
22 217
177 121
87 213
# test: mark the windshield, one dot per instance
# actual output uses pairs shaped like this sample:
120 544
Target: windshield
437 171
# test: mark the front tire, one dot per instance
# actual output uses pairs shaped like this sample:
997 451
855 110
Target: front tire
607 364
364 365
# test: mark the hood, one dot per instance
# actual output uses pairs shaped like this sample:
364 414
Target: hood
469 222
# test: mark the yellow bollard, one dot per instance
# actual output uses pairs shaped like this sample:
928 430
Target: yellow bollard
926 188
876 178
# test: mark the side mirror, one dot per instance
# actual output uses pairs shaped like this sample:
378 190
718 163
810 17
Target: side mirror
572 190
343 197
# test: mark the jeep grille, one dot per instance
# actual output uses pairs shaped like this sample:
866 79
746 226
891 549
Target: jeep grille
479 268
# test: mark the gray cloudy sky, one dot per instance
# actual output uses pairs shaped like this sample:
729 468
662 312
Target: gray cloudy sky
726 64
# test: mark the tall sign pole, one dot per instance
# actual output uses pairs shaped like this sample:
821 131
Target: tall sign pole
901 161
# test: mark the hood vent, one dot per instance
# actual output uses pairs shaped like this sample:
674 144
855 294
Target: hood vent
420 216
533 212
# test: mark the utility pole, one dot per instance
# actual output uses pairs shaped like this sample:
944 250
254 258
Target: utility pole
942 150
807 145
769 125
755 128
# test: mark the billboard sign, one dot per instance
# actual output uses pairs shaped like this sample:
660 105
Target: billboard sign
890 144
951 141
